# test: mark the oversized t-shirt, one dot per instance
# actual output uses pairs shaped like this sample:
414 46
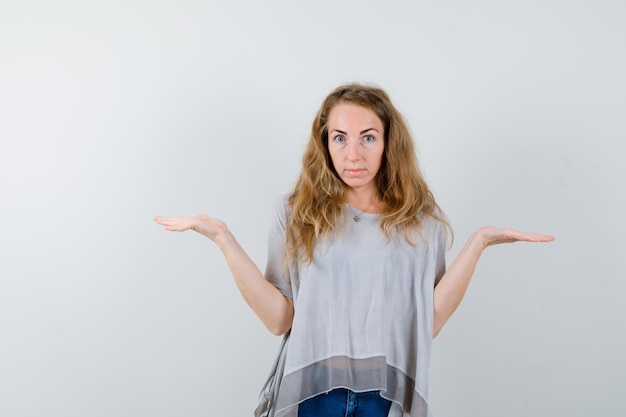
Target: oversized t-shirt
363 314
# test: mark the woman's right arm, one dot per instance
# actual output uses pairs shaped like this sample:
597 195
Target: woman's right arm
273 308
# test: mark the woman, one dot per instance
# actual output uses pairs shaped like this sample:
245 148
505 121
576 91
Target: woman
356 277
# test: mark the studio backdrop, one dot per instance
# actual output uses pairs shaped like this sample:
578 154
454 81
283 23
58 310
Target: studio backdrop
113 112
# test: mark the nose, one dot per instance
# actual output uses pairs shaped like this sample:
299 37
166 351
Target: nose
353 150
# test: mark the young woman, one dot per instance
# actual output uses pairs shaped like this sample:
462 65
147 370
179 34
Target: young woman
356 277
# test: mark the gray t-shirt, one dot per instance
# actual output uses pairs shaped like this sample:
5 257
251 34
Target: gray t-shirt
363 315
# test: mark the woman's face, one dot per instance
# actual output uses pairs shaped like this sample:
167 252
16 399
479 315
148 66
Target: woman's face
356 140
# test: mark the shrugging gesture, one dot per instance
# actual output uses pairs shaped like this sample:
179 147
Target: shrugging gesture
360 301
270 305
451 289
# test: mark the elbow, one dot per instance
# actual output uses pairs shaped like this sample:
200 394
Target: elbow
281 325
438 321
436 331
436 328
278 330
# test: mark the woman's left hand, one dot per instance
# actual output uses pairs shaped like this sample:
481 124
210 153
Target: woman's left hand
451 288
490 236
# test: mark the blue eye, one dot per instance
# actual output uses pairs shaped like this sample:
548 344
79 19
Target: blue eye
368 139
340 139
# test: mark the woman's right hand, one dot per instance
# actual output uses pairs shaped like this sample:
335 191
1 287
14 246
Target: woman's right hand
203 224
273 308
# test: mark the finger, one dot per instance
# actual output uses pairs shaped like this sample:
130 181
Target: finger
164 221
495 236
176 224
532 237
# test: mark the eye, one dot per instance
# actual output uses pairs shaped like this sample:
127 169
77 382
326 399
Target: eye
368 139
339 139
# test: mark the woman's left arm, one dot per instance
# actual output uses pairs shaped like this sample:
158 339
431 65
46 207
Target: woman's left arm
451 288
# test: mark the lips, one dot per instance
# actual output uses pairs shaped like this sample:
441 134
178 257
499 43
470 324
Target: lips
354 172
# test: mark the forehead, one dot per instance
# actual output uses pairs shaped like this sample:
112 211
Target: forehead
345 115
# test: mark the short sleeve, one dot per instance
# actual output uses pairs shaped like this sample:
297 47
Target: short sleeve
276 270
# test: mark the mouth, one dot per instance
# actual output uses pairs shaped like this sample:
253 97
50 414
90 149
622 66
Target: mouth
354 172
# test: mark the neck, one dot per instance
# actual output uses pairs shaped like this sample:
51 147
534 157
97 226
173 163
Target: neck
363 200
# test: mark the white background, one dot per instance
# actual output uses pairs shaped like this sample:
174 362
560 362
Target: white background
112 112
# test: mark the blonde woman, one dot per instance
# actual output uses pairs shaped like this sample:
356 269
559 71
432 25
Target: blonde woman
355 277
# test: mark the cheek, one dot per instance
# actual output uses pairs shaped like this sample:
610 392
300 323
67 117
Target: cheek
335 154
379 158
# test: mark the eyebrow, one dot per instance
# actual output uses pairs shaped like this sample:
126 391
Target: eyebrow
362 131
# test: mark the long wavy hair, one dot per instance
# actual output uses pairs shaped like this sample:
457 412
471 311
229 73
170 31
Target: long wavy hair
317 201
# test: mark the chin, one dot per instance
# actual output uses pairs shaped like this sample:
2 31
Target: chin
356 183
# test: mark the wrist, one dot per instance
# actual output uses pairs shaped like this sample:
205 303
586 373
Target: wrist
479 238
224 239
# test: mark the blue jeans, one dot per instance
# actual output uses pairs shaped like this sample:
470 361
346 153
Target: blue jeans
342 402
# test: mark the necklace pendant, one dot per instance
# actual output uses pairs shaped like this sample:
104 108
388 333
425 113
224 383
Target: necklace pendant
356 218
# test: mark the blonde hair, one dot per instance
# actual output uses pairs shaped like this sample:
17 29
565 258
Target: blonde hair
317 204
